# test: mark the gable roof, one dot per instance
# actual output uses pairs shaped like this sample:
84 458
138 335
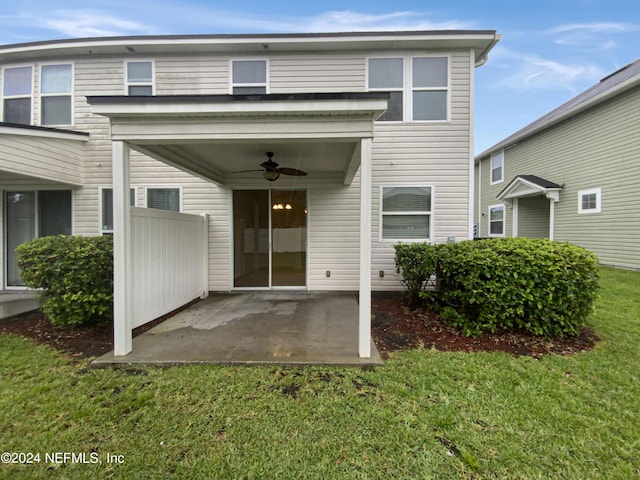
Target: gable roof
528 185
616 83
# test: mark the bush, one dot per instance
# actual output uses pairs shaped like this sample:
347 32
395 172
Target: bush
416 262
75 275
543 287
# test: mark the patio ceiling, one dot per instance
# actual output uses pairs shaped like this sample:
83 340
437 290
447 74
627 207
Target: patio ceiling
215 137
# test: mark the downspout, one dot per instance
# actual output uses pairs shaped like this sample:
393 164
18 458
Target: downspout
484 56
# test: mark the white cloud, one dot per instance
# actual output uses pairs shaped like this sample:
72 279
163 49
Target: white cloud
91 23
595 36
533 73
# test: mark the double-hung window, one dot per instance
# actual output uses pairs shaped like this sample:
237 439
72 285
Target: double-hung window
406 213
497 168
387 74
430 88
248 77
55 94
163 198
418 87
496 221
140 78
17 92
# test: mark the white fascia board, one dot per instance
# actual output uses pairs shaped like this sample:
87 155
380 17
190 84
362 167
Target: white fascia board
338 107
42 133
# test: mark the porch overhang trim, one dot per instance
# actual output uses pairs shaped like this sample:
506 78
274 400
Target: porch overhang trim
530 185
43 132
358 103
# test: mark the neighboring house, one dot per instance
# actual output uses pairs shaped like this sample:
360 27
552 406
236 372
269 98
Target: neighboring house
380 122
572 175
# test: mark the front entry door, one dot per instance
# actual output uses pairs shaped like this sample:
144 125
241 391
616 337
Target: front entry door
269 238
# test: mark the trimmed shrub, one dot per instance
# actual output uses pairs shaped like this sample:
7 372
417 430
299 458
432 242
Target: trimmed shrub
543 287
417 264
75 275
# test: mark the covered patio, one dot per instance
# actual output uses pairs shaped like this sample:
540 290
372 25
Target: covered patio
220 137
286 328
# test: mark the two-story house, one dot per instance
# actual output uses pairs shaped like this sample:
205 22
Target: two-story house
571 175
310 154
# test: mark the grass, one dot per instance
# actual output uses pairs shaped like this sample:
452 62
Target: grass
425 414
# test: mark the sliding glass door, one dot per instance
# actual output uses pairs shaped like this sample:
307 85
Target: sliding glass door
31 214
270 238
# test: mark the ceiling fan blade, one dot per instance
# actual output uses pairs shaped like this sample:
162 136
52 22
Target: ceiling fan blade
247 171
292 171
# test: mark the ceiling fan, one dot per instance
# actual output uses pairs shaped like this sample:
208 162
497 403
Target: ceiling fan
272 170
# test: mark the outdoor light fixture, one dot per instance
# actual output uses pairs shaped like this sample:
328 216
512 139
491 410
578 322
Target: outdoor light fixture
272 176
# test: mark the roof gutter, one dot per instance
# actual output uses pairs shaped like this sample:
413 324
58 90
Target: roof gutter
484 56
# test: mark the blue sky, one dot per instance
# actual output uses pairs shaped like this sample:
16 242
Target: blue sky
550 51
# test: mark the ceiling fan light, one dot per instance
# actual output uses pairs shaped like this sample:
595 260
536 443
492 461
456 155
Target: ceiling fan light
271 176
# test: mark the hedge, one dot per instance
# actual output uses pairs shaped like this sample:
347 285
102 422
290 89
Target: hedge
417 264
540 286
75 275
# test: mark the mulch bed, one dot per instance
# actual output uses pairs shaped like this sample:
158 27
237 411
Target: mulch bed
395 327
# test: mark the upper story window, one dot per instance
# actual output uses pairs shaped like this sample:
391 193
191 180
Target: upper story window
248 77
55 94
140 78
17 92
497 168
387 74
418 87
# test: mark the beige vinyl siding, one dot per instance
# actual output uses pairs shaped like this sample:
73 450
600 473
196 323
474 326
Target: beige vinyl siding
533 217
598 148
192 75
317 73
51 159
431 154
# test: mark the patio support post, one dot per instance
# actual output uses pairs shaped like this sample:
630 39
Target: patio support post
552 218
364 324
122 294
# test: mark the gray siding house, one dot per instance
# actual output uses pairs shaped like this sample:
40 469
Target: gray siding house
239 162
572 175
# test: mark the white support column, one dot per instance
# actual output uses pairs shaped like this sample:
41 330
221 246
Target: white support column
552 218
122 294
364 324
514 218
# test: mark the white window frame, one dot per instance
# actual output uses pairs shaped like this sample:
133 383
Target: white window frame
267 76
408 88
102 231
128 84
591 191
381 213
31 97
71 94
502 207
492 168
164 187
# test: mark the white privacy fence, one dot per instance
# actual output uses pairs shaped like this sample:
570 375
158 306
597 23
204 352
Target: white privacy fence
169 253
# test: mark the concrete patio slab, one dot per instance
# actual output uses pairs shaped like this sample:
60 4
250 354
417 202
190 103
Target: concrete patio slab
16 303
289 328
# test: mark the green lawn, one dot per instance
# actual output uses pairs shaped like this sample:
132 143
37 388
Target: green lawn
424 414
